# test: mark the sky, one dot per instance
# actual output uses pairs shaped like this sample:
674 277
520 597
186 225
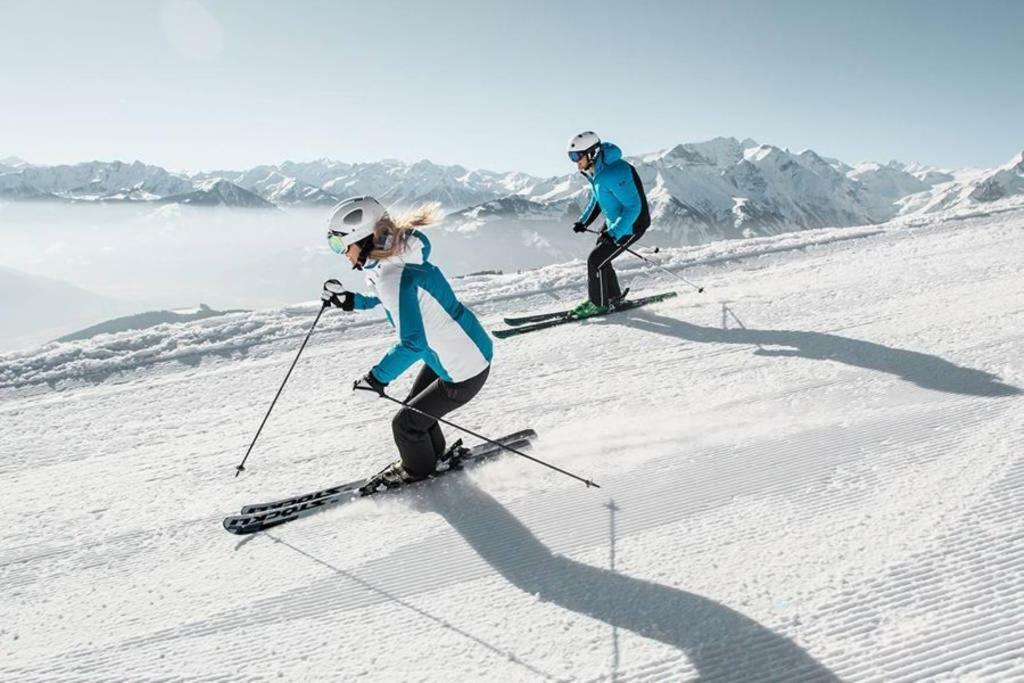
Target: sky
228 84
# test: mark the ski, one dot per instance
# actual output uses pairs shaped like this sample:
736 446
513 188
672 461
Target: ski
555 319
530 319
475 452
542 317
304 505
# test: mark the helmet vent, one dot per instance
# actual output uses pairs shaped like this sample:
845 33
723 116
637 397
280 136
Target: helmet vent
353 218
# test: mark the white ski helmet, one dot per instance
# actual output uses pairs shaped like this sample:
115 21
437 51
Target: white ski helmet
586 142
353 220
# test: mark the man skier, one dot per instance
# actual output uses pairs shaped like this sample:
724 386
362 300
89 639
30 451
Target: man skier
616 192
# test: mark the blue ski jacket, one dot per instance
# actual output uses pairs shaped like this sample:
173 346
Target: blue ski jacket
616 192
432 325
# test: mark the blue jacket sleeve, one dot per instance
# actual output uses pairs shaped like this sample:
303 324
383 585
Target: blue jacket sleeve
412 340
589 213
397 360
625 190
361 302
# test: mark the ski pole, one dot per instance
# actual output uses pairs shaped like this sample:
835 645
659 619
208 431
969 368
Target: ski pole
241 465
588 482
700 290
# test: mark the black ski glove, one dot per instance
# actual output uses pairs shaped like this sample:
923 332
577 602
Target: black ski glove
578 227
369 383
334 294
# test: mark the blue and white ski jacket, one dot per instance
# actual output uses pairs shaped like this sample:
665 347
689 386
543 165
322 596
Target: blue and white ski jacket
432 325
617 193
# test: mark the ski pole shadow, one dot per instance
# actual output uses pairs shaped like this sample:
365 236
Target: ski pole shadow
924 370
439 621
612 509
719 642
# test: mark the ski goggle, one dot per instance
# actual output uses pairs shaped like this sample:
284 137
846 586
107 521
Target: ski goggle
575 156
336 242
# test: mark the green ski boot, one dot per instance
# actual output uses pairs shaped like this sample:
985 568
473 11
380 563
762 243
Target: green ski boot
586 310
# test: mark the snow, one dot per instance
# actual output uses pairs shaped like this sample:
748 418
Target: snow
240 333
759 153
737 210
810 472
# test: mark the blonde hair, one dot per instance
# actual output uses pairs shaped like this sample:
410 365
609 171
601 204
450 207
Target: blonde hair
393 233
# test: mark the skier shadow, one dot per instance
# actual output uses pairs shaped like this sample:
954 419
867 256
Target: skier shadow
719 642
929 372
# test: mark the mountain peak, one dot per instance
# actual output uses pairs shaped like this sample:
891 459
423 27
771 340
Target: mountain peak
761 153
210 184
685 154
219 191
720 151
14 162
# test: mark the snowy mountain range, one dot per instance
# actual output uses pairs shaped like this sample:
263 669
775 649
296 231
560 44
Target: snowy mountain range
727 188
698 192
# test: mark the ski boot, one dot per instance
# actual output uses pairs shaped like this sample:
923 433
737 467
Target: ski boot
391 477
619 300
586 310
452 458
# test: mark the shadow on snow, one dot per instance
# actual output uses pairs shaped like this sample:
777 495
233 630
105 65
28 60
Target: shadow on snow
719 642
930 372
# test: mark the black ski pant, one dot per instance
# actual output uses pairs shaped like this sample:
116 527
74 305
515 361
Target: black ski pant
602 283
418 437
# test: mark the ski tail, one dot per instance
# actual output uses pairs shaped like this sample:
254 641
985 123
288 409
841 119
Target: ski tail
530 319
295 500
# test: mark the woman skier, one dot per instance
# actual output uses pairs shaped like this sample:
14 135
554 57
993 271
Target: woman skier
616 192
432 327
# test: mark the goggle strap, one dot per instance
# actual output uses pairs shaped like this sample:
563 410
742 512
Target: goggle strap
364 251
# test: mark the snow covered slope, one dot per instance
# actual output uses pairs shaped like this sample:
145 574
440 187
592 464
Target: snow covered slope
141 321
971 188
811 472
